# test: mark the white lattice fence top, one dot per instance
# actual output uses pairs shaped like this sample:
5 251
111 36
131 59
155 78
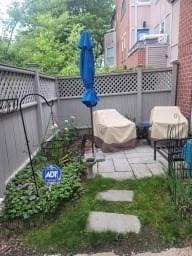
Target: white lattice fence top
16 85
158 80
104 85
47 87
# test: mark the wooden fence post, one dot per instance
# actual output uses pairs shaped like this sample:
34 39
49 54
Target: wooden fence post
139 95
36 89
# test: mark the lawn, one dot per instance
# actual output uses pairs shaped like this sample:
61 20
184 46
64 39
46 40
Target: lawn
161 226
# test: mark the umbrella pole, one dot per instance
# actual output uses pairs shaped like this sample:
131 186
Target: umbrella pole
92 130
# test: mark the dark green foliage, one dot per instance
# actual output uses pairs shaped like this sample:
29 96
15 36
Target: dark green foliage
21 200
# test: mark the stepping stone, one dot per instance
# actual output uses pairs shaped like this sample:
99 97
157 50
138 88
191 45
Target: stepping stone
141 170
118 175
119 223
106 166
156 169
98 254
116 196
121 165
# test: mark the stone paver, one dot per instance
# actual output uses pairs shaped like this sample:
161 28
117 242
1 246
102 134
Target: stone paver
144 149
119 223
141 171
118 175
115 155
121 165
129 164
140 158
106 166
156 169
116 196
99 254
171 252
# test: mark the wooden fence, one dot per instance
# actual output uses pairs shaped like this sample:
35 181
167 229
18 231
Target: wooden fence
133 94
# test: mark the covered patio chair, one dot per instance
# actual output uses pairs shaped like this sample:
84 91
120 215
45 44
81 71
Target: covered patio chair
164 118
112 131
168 132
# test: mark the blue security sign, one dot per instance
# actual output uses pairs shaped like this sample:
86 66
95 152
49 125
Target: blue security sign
51 174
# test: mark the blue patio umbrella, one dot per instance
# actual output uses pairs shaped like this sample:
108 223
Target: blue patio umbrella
87 72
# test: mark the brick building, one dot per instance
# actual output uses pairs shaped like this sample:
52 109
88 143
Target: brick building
184 87
146 32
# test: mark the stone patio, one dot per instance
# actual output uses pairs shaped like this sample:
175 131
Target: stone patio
134 163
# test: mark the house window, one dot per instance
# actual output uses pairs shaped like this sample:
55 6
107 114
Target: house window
123 8
141 33
110 52
162 28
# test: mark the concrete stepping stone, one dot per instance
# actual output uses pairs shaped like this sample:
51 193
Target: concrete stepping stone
141 171
119 223
116 196
118 175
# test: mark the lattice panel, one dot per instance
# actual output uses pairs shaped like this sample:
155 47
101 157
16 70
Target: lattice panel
47 88
70 87
160 80
16 85
109 84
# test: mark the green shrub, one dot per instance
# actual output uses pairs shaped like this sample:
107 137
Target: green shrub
21 200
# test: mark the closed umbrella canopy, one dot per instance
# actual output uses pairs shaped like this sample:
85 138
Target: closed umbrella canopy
87 69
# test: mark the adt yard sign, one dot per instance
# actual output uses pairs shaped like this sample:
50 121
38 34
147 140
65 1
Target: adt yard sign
52 174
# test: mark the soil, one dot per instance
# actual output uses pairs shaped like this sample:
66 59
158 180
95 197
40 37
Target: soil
148 240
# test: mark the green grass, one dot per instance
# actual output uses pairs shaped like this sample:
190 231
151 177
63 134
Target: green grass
152 204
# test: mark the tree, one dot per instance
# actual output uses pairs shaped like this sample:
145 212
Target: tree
49 31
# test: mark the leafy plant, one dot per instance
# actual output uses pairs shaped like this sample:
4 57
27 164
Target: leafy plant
21 200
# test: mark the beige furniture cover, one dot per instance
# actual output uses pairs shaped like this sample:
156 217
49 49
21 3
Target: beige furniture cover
162 118
113 131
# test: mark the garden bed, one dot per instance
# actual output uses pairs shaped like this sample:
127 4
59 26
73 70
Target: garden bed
162 227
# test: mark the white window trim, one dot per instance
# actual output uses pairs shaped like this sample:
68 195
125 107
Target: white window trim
143 3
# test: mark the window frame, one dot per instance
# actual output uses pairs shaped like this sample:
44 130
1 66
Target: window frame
140 2
142 30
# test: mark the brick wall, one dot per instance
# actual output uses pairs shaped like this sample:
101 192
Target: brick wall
184 86
136 58
122 25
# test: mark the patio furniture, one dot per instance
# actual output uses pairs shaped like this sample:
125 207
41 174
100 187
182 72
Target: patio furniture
113 131
143 130
170 148
163 118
